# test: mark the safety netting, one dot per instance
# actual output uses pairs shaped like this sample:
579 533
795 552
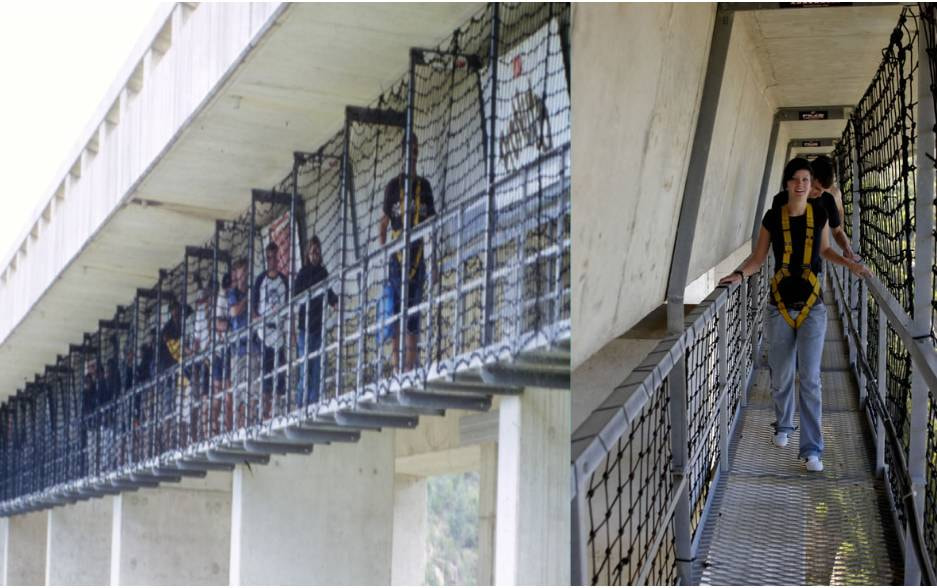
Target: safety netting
628 497
885 133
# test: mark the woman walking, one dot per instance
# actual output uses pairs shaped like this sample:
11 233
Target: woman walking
799 236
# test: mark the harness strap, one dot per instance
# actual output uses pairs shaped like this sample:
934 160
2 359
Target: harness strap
416 220
806 272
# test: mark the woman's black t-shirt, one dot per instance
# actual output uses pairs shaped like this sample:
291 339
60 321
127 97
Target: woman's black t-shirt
794 290
826 199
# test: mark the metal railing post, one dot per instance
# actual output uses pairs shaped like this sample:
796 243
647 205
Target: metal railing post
881 374
343 263
746 330
722 352
289 386
683 536
863 338
248 333
579 541
409 183
491 205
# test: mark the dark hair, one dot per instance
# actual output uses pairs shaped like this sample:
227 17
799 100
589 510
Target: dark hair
271 246
793 166
822 170
314 240
240 262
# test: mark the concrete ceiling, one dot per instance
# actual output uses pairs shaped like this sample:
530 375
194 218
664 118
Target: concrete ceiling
289 94
820 56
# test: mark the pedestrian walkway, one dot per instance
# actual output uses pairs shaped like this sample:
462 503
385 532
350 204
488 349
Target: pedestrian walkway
772 522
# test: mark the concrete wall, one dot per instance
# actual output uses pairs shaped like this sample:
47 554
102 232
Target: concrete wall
174 534
26 549
633 125
736 158
79 543
631 161
320 519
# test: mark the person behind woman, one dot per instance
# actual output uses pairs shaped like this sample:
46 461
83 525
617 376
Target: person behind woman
796 317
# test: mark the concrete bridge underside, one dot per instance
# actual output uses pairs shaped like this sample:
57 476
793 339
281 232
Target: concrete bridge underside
211 104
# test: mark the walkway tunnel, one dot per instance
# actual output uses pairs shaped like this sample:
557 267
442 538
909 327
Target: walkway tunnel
675 476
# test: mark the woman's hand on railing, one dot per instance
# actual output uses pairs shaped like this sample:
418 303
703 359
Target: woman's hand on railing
731 279
858 268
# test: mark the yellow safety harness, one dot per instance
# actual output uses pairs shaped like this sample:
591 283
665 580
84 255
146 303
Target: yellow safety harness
416 221
807 273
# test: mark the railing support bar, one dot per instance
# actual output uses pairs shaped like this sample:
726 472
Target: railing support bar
766 176
722 353
880 376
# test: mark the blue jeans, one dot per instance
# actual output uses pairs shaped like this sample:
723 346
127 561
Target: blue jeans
806 345
312 375
390 300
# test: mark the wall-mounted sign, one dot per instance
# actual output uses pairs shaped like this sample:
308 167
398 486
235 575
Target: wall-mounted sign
814 114
811 4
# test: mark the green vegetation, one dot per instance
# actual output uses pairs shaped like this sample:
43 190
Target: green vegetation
452 544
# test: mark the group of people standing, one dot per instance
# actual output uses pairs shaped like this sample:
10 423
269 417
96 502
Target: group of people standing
797 230
261 351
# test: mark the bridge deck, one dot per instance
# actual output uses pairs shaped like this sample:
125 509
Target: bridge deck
772 522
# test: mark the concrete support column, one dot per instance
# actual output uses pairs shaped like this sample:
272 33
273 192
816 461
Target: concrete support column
25 563
326 518
487 508
78 551
4 533
410 531
174 534
533 525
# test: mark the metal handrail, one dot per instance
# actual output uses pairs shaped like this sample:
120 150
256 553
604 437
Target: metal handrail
596 437
924 357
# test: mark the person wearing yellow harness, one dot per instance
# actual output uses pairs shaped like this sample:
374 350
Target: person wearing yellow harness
423 208
824 191
795 321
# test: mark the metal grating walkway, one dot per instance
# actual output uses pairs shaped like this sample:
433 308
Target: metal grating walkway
772 522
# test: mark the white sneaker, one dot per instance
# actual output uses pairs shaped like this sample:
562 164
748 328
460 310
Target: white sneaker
781 438
814 464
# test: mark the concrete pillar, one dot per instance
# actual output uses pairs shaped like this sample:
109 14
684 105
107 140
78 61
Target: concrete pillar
487 505
78 552
174 534
326 518
26 549
410 531
4 533
533 526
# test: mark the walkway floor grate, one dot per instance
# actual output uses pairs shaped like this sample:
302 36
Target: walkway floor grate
772 522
